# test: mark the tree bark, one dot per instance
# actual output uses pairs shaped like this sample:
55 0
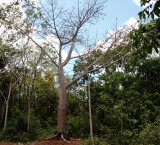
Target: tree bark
2 114
122 118
7 106
29 107
6 117
90 110
62 101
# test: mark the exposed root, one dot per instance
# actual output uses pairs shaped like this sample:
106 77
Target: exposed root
75 139
57 136
62 137
51 137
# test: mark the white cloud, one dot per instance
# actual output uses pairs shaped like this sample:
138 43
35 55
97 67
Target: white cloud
52 39
132 22
115 37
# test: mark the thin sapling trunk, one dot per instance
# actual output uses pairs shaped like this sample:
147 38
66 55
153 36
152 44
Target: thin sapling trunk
90 110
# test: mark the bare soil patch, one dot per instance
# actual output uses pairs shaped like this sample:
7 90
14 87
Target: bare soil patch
71 141
59 142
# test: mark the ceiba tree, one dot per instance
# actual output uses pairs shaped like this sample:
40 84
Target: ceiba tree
68 27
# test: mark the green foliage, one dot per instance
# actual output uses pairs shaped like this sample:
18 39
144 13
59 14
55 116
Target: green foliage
17 128
77 126
97 141
43 106
47 97
151 10
150 135
146 37
136 106
77 118
80 65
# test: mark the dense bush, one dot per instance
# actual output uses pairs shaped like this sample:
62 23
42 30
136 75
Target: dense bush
16 130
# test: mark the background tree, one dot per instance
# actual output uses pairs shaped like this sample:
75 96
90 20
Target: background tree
11 60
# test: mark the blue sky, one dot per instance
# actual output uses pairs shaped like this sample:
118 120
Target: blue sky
123 10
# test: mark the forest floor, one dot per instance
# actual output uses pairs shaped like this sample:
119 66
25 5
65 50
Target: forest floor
50 142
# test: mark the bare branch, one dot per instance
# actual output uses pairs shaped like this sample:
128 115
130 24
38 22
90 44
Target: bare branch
106 64
53 61
3 96
119 41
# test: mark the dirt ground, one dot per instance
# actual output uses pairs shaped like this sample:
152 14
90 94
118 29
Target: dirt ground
59 142
51 142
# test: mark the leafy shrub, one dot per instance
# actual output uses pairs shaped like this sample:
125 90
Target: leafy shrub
97 141
78 126
16 130
151 134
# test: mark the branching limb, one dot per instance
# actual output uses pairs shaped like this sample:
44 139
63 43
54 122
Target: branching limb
3 96
52 136
75 80
43 50
69 54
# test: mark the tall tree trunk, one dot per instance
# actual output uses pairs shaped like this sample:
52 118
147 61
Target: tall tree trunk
122 126
2 114
7 106
6 117
90 110
19 96
29 107
122 117
62 101
34 90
